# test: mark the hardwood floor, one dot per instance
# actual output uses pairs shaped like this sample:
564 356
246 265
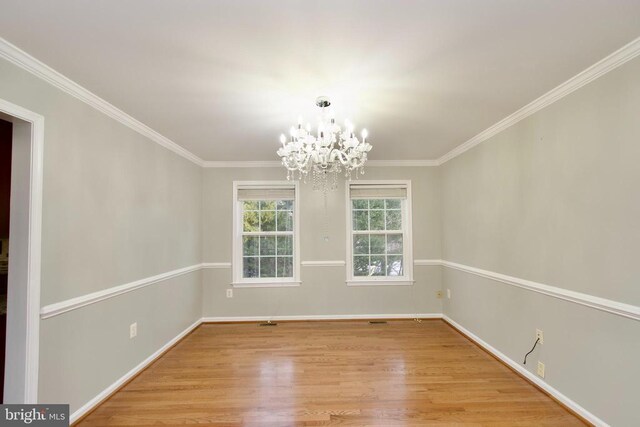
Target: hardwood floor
348 373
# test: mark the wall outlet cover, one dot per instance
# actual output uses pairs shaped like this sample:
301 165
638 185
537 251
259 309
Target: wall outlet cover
540 335
133 330
541 369
448 293
229 293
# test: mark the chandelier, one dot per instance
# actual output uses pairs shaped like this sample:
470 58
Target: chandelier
327 154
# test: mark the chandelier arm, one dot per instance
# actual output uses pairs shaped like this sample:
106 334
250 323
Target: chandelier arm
323 156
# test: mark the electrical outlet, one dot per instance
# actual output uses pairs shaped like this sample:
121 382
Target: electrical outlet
229 293
439 294
448 293
540 336
541 369
133 330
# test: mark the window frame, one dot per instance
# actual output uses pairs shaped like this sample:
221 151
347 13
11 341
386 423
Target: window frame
407 238
238 280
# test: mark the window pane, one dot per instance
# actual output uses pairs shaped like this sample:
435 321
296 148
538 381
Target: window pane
268 266
285 245
360 220
360 265
394 243
250 205
267 220
361 244
267 245
284 205
394 265
251 221
250 267
377 220
392 203
360 204
394 220
285 220
267 205
376 204
377 244
285 266
250 245
378 266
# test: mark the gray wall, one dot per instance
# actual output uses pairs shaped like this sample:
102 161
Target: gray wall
323 289
117 208
554 199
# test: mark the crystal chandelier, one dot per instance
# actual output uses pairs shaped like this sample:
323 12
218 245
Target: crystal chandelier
326 154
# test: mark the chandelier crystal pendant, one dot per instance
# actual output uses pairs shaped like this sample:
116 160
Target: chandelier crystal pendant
326 154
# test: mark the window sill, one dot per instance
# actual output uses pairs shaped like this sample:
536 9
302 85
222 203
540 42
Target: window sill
281 284
405 282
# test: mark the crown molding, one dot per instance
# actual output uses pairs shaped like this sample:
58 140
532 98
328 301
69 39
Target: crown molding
242 164
609 63
401 163
278 163
28 63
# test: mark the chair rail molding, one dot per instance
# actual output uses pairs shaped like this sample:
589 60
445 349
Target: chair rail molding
94 297
216 265
323 263
603 304
598 303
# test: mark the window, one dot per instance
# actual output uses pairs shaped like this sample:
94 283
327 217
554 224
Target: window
379 225
265 241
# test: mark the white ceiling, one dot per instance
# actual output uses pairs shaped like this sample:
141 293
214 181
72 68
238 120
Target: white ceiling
224 78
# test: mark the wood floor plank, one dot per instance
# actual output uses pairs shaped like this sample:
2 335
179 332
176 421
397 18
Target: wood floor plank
329 373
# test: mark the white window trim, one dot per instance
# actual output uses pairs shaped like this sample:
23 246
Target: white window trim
407 250
238 280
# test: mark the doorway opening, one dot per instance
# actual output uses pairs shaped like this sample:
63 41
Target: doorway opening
21 142
6 137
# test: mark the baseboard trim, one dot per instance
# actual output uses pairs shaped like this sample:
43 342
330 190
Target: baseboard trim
563 400
93 404
241 319
88 407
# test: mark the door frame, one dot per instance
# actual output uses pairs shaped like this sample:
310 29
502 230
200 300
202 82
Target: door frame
29 313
